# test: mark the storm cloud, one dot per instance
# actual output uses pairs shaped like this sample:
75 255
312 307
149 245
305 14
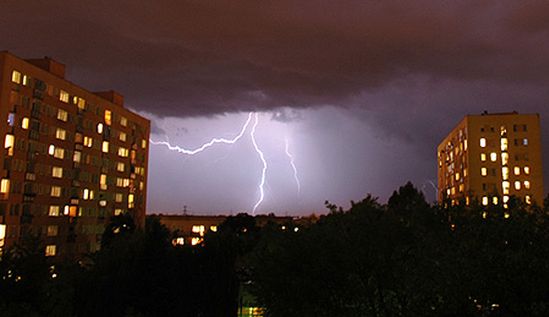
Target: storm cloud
193 58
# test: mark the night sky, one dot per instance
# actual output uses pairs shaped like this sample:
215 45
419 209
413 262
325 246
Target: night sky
362 90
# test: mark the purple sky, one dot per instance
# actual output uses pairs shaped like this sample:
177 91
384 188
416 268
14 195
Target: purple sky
363 90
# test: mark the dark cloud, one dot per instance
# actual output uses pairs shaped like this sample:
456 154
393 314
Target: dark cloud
190 58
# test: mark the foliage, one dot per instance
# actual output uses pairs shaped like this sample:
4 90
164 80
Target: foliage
29 284
407 258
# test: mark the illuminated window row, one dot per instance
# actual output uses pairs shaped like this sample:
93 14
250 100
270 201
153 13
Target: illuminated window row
68 210
504 143
19 78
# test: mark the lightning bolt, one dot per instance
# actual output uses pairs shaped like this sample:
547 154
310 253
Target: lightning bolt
293 165
208 144
264 170
243 130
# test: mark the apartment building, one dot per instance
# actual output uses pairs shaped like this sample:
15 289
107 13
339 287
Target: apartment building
492 157
71 158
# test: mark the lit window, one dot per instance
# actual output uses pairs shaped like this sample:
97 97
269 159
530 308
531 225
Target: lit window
495 200
123 152
504 144
123 121
4 186
11 119
505 185
9 141
16 77
526 184
483 171
118 197
516 170
64 96
51 149
213 228
178 241
51 250
52 230
77 156
485 201
120 166
200 229
53 211
25 80
57 172
2 234
88 141
25 123
482 142
196 241
505 199
55 191
62 115
103 181
457 176
143 143
493 156
527 170
105 147
100 128
505 173
108 117
483 157
81 103
59 153
517 185
504 158
524 141
528 199
122 136
86 194
118 211
131 202
60 134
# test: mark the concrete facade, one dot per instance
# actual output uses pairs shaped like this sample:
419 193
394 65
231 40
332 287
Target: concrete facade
71 158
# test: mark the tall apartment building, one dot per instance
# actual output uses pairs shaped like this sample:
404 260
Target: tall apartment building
492 157
71 158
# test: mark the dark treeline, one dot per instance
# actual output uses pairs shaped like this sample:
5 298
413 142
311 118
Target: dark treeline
405 258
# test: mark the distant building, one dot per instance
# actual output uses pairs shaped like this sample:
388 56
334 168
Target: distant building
491 157
191 229
71 158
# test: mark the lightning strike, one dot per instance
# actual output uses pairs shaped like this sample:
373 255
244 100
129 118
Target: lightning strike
243 130
208 144
264 170
293 165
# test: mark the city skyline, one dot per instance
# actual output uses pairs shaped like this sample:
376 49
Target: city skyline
363 103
